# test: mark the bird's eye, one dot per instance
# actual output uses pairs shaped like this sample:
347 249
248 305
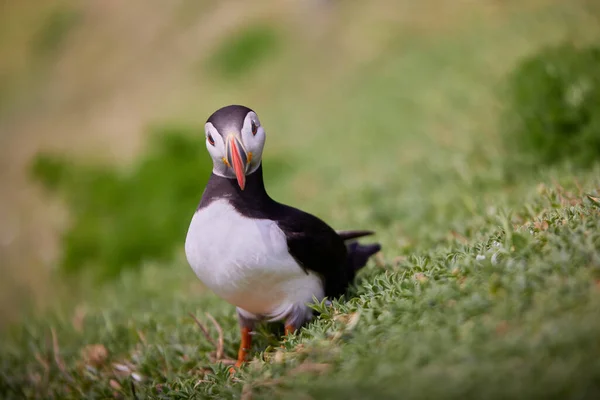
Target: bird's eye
254 128
211 140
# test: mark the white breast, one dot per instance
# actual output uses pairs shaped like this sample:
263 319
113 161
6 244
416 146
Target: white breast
246 262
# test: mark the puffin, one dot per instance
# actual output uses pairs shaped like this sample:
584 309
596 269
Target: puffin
267 259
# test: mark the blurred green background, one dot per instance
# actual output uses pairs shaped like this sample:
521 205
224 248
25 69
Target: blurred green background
405 117
355 98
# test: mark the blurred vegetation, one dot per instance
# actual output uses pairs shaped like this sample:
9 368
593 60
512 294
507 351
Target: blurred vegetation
31 38
244 51
484 289
553 109
54 30
121 219
512 313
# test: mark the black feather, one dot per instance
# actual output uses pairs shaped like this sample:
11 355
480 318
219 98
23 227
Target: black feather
348 235
313 244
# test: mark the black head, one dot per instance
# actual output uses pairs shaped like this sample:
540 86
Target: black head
229 117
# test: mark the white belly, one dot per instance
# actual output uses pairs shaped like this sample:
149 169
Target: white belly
246 262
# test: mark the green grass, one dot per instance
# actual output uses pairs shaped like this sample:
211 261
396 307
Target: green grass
512 310
245 51
122 218
487 287
554 99
54 31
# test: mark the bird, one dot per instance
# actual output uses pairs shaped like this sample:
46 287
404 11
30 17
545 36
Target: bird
267 259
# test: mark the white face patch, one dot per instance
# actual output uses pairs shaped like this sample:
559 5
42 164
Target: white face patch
217 150
253 144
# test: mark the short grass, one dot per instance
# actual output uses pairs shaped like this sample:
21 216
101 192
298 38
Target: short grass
506 306
487 287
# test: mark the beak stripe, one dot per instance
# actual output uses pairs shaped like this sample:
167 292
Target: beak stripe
237 157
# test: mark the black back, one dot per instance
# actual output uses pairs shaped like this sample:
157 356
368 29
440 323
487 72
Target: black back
312 243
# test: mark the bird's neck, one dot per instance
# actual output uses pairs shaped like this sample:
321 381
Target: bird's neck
254 195
254 187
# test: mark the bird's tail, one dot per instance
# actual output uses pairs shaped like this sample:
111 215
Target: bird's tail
358 254
347 235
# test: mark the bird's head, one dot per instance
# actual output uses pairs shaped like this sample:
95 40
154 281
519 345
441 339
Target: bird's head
235 141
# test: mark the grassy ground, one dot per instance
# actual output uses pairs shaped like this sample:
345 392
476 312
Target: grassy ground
507 306
486 288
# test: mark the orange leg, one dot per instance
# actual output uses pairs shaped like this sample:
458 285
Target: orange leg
289 329
245 344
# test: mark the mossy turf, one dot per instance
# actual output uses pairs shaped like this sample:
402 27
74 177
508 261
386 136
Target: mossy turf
488 285
512 311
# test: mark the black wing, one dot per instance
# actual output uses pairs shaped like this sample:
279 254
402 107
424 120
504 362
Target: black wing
316 247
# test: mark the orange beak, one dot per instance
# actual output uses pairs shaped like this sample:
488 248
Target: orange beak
237 159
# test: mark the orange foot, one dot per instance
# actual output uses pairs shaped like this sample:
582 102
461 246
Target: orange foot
245 344
289 328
